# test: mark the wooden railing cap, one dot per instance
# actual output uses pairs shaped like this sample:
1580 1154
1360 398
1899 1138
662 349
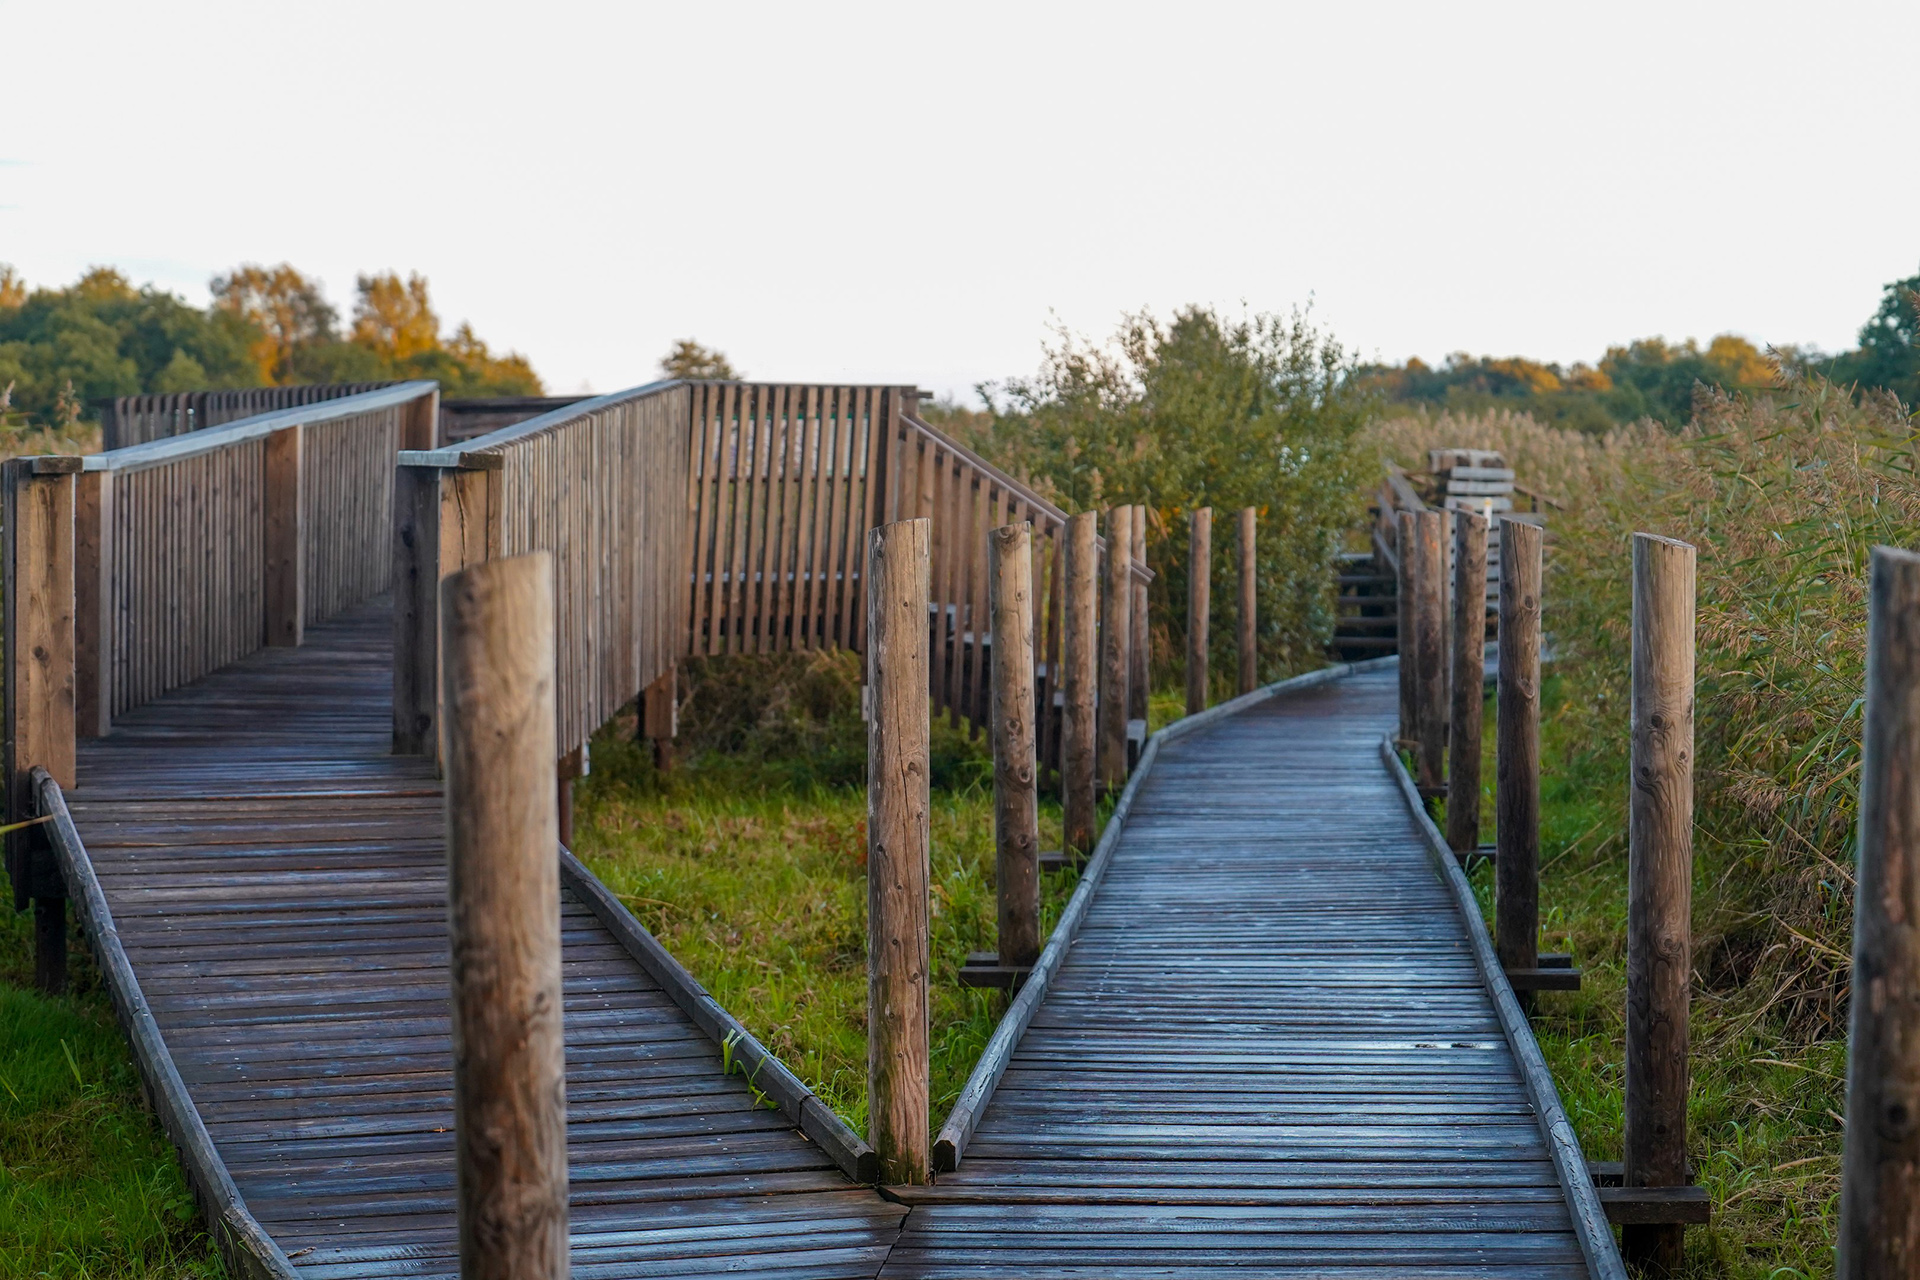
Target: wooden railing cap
56 464
212 439
457 459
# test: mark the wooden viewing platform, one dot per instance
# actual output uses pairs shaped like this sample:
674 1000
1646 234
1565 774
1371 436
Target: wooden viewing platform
1268 1037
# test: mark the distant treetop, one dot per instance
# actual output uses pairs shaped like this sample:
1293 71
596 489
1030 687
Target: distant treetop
690 360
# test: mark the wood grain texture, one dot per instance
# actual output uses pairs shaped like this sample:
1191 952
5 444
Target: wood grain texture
1467 682
503 917
1249 602
1431 652
898 851
1405 525
92 610
1516 799
1138 644
285 552
1116 661
1016 800
1079 655
1659 883
1879 1237
39 653
1199 604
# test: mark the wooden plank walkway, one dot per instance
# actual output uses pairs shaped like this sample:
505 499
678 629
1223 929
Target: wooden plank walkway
1268 1052
278 881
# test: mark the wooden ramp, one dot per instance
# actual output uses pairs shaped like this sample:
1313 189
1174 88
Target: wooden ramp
278 884
1269 1049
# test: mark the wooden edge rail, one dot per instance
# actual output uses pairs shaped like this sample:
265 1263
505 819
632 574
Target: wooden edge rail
174 448
478 454
1590 1223
950 1145
246 1248
762 1070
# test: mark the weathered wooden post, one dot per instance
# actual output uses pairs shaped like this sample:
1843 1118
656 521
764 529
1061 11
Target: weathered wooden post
93 606
568 769
1469 680
503 912
1139 643
38 498
1199 601
660 717
1079 655
285 589
440 525
1404 643
1659 884
898 850
1516 795
1880 1194
1116 619
1016 803
1431 653
1249 605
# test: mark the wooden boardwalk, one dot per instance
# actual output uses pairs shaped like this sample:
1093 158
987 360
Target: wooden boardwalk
278 882
1268 1050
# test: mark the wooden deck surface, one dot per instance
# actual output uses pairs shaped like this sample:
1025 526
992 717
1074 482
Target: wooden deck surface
1267 1053
279 883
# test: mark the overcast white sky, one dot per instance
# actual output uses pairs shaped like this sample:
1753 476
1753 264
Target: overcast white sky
912 192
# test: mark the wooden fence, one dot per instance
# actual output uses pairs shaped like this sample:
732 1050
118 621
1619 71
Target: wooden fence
131 420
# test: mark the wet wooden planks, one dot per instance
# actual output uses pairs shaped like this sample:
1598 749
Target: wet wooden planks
1268 1052
278 882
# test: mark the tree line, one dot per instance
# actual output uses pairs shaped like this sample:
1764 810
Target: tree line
1657 379
63 348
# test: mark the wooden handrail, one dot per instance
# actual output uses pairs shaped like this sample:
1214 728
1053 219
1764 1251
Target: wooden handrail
213 439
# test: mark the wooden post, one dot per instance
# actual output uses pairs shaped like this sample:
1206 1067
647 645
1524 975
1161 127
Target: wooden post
1469 680
503 912
1659 884
1880 1193
1079 655
38 499
570 766
420 422
1516 795
1249 604
1139 644
439 527
1199 601
1404 644
1430 647
1116 620
1016 803
92 603
898 850
660 717
285 588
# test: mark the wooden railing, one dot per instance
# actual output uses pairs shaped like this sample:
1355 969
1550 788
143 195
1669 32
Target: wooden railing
131 420
601 484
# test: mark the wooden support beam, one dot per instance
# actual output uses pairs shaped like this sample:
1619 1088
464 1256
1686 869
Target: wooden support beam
1659 885
1431 652
660 717
1249 603
1139 643
93 603
898 850
1407 664
1199 601
1516 799
1116 623
1080 658
285 590
1879 1237
441 524
420 422
1016 801
1468 684
570 768
503 914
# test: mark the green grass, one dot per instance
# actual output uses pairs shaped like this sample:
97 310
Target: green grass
1764 1128
89 1186
754 876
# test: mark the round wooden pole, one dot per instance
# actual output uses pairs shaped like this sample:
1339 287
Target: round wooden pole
1116 623
1659 885
1880 1195
1516 784
1199 601
1431 653
1139 644
898 849
1016 803
503 912
1080 657
1249 604
1403 643
1469 681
